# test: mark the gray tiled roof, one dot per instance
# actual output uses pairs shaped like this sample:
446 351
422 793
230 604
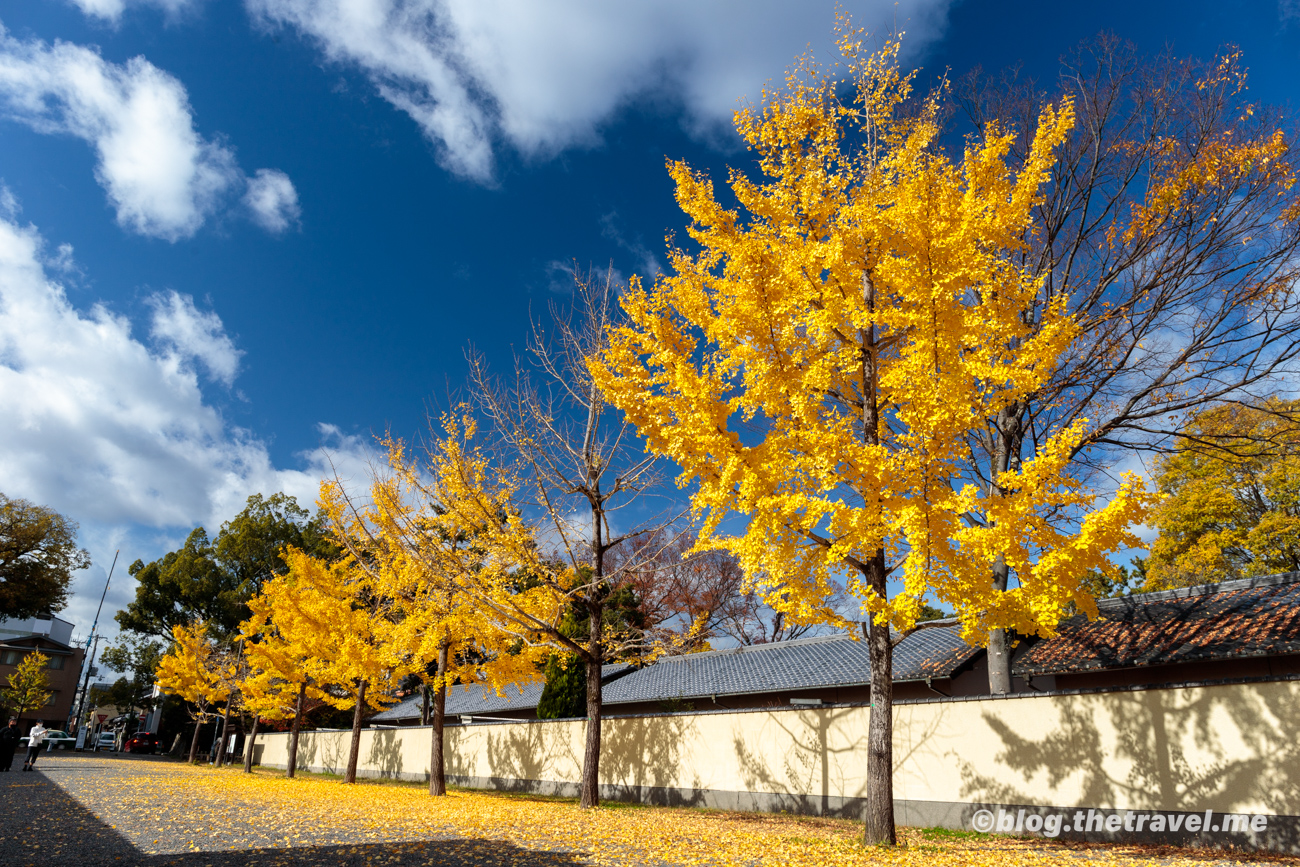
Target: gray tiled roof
810 663
470 699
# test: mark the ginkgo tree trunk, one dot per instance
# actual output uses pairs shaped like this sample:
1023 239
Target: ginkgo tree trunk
816 364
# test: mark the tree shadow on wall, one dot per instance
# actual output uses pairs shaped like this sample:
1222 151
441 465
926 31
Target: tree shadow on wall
526 754
40 825
385 753
1151 767
643 755
806 777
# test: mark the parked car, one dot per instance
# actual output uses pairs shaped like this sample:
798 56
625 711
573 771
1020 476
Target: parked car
142 742
105 741
55 739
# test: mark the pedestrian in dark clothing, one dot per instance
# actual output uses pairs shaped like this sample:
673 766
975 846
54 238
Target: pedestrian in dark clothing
35 740
9 737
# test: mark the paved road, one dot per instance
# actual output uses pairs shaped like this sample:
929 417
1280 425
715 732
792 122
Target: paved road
45 822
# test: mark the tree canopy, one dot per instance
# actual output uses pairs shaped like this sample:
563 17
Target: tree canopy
818 362
38 554
136 658
193 670
213 579
1169 232
1232 497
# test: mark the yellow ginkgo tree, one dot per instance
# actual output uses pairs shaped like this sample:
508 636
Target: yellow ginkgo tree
29 685
1232 504
192 669
338 627
282 673
468 531
816 363
431 564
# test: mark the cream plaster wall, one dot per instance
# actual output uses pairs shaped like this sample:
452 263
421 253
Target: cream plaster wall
1230 748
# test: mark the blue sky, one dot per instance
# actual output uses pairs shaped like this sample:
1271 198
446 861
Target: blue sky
235 231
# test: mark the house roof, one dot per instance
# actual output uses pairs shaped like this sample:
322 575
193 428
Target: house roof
790 666
43 643
469 699
787 666
1235 619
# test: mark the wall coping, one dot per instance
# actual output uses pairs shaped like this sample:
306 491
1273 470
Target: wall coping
1015 696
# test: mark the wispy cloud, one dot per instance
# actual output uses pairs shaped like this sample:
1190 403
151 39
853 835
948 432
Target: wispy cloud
272 200
542 77
111 11
648 264
188 333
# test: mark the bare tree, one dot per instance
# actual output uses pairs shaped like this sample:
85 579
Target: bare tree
704 594
586 481
1170 230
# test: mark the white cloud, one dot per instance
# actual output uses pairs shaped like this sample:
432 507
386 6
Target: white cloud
163 178
112 433
272 200
111 11
545 76
191 334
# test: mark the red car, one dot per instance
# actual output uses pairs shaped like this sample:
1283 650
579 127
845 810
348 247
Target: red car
141 742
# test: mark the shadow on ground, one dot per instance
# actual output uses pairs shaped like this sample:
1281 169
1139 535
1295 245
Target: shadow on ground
41 826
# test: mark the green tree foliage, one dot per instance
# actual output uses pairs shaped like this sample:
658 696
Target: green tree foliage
212 580
620 611
931 612
136 658
38 554
29 685
1120 581
1231 504
127 696
565 693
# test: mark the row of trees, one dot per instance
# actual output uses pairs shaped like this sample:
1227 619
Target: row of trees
890 364
453 569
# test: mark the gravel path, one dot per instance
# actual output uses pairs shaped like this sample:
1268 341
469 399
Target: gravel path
99 809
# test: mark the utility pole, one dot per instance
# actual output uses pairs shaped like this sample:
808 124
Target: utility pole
85 687
90 659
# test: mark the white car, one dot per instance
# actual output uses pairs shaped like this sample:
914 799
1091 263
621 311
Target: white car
105 741
54 740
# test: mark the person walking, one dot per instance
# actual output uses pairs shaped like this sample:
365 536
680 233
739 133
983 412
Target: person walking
35 739
9 738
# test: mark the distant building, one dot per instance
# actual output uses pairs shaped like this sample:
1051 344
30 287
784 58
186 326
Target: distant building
51 636
54 628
